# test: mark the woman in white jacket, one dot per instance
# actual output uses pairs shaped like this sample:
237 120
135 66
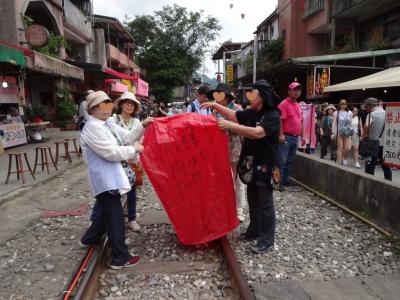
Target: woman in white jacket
103 146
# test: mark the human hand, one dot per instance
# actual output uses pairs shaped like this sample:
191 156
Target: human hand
146 122
282 139
207 105
333 137
138 148
224 124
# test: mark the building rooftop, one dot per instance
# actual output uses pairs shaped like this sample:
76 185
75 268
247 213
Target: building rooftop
115 26
225 47
269 19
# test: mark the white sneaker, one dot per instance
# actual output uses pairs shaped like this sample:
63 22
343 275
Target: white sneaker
345 162
134 226
358 165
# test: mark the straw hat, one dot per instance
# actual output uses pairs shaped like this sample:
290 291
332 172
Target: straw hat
330 106
132 97
95 98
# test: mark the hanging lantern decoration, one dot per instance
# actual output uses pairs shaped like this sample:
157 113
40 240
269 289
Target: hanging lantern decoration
243 16
231 5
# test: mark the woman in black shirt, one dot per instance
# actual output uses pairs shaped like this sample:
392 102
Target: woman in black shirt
259 125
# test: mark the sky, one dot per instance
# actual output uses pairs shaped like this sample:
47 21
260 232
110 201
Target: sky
233 26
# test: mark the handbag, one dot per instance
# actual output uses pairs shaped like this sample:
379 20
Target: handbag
139 173
347 129
370 147
125 165
246 169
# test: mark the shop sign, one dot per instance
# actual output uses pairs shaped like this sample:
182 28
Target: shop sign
119 87
12 134
317 80
142 88
37 35
229 73
8 94
391 143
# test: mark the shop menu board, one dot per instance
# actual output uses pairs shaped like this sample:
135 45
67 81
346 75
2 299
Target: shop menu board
391 146
12 134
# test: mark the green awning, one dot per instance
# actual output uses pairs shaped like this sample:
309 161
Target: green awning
12 56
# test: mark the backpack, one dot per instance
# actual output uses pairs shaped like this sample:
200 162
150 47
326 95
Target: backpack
194 110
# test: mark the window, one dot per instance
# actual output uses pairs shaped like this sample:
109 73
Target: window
271 31
311 7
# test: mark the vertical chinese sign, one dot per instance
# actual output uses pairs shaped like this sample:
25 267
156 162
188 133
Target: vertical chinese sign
317 80
229 74
391 146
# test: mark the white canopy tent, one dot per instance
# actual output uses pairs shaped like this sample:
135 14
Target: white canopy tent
386 78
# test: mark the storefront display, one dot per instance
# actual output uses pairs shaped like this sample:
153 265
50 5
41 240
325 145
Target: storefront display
13 133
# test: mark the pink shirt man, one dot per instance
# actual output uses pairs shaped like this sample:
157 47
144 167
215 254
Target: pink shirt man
292 117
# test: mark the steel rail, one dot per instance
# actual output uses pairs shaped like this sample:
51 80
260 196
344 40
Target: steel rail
345 208
244 289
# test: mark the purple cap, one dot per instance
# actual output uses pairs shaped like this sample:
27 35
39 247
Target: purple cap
294 85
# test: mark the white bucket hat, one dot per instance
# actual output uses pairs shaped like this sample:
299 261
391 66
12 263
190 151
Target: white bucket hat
129 96
94 98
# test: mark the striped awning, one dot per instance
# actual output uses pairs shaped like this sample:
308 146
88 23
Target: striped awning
52 66
11 55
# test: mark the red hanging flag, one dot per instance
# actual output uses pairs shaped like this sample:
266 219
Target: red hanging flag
186 160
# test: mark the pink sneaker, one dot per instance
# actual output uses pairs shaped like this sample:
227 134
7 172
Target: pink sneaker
130 263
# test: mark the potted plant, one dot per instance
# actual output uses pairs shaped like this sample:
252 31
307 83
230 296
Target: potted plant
65 108
37 113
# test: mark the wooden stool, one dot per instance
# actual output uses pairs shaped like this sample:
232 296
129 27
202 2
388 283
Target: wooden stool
44 159
19 164
66 155
76 151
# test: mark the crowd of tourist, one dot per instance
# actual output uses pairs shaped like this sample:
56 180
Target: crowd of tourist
263 141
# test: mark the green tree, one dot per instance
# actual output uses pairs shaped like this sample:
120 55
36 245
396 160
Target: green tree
171 45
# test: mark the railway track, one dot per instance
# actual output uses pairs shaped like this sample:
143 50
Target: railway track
85 283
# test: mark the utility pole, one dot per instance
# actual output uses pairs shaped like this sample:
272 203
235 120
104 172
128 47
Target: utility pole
224 67
255 58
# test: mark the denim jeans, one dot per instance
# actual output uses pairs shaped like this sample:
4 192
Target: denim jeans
287 152
131 201
372 161
110 221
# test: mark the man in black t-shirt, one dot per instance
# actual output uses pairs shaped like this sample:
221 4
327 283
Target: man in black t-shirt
260 126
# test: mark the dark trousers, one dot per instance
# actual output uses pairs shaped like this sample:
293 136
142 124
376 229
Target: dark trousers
373 160
131 201
110 221
325 142
262 214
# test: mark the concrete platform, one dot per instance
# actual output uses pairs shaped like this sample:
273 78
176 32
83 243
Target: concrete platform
377 287
14 185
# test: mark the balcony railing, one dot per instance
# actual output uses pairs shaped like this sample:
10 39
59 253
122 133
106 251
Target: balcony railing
340 6
120 58
76 18
311 7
